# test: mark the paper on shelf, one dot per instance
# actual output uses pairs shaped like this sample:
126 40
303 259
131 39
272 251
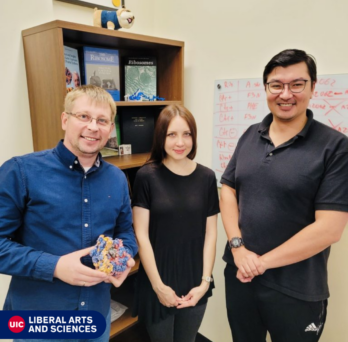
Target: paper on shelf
117 310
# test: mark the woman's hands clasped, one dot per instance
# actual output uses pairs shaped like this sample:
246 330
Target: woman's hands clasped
167 296
193 297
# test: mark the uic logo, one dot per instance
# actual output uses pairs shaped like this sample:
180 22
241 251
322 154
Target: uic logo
16 324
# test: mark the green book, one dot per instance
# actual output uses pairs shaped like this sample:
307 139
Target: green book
118 131
141 75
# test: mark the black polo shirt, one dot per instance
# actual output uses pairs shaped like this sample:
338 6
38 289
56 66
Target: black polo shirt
278 191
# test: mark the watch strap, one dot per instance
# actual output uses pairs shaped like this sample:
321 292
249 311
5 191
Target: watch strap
207 279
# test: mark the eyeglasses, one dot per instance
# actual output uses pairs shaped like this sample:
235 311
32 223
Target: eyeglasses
83 117
277 87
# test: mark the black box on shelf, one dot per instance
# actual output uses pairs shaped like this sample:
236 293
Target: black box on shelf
137 129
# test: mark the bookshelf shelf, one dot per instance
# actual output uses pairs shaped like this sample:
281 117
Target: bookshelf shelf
45 70
128 161
122 324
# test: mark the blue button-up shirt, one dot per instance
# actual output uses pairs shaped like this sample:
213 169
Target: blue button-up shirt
50 207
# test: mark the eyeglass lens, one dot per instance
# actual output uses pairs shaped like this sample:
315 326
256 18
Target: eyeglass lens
295 86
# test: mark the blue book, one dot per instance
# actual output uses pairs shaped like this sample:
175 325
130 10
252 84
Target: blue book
102 69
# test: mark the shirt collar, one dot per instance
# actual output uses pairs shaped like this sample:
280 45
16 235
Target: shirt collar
69 159
266 122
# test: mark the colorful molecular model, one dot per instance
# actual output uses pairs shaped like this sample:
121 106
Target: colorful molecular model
109 255
140 96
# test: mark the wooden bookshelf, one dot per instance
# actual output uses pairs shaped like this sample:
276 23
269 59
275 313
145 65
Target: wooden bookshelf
45 69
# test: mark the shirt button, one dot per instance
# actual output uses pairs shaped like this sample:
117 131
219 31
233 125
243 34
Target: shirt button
76 162
86 225
271 154
70 167
83 303
85 177
86 200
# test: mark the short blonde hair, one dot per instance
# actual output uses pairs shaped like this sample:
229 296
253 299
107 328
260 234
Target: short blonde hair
95 94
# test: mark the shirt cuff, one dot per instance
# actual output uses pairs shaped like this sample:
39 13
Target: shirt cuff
45 266
129 251
228 182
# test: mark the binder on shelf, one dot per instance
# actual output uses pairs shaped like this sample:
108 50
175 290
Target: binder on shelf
137 129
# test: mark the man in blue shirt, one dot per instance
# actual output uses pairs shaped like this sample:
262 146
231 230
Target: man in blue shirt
53 206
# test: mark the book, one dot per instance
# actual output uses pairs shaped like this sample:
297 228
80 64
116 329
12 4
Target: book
137 129
118 130
141 75
111 147
72 68
101 68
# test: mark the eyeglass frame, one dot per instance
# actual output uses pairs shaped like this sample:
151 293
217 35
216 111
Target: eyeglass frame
109 124
294 92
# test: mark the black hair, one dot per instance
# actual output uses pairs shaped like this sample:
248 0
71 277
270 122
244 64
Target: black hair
290 57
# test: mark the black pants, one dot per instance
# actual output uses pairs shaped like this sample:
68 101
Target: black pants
181 327
254 309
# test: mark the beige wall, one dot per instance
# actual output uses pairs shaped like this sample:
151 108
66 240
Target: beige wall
224 39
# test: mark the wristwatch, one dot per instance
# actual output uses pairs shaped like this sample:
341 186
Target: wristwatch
208 279
236 242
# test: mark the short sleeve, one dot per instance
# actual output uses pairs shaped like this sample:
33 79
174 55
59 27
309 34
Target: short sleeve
213 198
141 189
333 190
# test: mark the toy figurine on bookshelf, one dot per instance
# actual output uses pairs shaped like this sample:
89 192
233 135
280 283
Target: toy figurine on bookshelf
113 20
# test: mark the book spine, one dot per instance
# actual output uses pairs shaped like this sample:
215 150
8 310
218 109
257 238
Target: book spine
72 68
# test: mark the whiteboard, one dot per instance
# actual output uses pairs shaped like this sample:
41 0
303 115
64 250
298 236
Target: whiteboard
239 103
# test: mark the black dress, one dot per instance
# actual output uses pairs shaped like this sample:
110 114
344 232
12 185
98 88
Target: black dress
179 207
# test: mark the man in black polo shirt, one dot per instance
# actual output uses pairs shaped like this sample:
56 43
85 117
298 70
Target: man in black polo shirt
284 202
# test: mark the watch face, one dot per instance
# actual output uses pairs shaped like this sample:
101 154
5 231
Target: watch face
236 242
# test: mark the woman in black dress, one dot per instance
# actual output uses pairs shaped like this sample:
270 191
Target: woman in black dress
175 207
